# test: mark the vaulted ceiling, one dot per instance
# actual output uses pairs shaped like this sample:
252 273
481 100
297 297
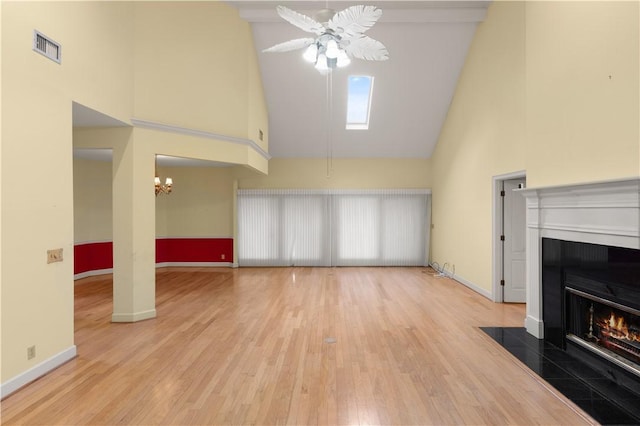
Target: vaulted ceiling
427 43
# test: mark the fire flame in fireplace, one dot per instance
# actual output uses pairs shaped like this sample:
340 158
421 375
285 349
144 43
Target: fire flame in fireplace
618 324
617 327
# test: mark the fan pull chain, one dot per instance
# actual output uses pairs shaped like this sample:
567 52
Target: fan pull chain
329 92
328 109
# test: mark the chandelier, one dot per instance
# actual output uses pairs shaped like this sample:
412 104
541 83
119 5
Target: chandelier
159 186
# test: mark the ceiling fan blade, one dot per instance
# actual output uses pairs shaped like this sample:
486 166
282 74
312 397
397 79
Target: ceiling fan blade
354 20
301 21
366 48
298 43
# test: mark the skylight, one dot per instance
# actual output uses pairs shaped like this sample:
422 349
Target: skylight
359 101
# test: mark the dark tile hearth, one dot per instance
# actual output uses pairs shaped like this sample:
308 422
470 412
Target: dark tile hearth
598 396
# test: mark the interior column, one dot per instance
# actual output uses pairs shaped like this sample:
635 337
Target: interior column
133 232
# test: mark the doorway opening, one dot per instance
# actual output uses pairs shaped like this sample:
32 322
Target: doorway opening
509 232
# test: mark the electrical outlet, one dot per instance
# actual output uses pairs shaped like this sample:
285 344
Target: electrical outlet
31 352
222 256
54 255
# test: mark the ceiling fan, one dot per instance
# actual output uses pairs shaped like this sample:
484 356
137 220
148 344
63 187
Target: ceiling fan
338 36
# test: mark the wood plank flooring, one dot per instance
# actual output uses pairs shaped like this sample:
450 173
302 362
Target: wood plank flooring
249 346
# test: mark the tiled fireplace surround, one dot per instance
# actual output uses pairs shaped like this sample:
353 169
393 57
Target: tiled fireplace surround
606 213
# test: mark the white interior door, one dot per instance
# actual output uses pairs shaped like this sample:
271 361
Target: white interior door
514 218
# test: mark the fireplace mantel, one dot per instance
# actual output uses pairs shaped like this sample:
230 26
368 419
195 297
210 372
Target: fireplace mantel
606 213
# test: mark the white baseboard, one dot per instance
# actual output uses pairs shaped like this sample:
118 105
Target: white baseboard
534 326
93 273
134 317
193 264
469 284
37 371
160 265
472 286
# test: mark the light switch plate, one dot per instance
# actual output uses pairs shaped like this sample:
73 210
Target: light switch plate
54 255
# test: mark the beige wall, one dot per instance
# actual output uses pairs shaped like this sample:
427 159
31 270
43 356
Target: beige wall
258 116
582 91
37 213
534 95
201 204
353 173
196 67
190 64
1 182
483 136
92 201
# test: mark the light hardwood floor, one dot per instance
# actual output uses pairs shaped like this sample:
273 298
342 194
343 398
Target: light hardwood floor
249 346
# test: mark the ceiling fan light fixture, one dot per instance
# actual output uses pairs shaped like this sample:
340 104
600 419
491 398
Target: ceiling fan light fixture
322 64
339 37
332 49
343 59
311 53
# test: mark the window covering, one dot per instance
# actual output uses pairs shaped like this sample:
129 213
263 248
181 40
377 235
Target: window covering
297 227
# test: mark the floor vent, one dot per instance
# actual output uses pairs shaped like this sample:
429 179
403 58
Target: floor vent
47 47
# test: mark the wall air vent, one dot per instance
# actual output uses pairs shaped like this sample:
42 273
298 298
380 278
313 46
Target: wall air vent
47 47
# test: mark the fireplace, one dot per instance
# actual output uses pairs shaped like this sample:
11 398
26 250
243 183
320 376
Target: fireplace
604 327
591 306
600 308
597 214
583 270
583 282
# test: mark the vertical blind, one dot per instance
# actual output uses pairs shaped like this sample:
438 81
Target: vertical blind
282 227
